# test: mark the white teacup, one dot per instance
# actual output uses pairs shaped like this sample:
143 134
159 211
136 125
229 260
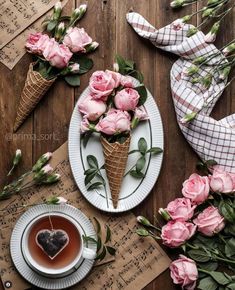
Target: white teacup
84 252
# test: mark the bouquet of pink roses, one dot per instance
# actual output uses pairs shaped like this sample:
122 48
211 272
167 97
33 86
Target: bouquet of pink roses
202 224
113 108
60 54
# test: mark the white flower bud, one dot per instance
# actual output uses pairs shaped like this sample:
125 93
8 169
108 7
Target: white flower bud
58 6
61 200
177 3
74 68
187 118
142 220
47 169
164 214
116 67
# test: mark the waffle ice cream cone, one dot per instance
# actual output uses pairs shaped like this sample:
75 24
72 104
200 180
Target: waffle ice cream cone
115 155
34 89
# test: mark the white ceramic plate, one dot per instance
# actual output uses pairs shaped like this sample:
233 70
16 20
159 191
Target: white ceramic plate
133 191
21 265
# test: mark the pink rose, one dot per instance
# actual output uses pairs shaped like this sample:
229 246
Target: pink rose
85 125
222 181
127 99
116 77
209 221
76 39
127 82
116 121
196 188
37 42
176 233
141 114
184 272
57 54
92 109
180 209
178 24
101 85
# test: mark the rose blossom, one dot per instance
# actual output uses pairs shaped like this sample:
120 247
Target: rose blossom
101 85
57 54
76 39
180 209
116 121
85 125
222 181
184 272
37 42
176 233
209 222
141 114
116 77
92 109
196 188
127 82
127 99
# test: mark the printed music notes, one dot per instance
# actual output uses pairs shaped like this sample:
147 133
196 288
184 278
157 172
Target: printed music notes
138 261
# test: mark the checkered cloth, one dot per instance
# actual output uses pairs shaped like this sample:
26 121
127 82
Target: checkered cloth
210 138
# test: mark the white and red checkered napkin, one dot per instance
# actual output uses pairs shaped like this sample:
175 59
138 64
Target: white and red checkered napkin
210 138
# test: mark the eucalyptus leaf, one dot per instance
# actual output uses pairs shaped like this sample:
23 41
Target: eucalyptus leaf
98 226
133 151
89 178
108 234
90 171
111 250
207 284
73 80
199 255
155 150
85 138
143 94
142 145
92 161
230 286
85 63
102 255
140 164
51 25
136 174
94 185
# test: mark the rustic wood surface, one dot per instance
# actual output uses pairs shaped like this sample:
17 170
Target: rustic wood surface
47 127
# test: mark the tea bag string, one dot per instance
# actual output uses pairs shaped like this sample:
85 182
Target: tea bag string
51 224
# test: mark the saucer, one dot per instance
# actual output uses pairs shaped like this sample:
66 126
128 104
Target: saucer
34 278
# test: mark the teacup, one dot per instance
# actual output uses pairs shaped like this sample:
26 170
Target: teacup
68 259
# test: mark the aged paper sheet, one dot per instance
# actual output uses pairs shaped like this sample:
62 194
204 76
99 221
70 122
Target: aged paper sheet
138 261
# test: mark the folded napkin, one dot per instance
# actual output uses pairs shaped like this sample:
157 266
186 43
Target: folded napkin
210 138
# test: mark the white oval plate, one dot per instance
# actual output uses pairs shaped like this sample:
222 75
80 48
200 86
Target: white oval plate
21 265
133 191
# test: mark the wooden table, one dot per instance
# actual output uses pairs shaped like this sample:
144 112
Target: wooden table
47 127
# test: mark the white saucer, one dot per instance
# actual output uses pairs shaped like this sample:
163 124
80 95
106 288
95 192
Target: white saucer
21 265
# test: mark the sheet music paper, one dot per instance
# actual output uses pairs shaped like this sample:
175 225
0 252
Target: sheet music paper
138 261
13 51
16 15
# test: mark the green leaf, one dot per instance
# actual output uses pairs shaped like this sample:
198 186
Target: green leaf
230 286
99 244
133 151
90 171
227 211
230 229
230 247
89 177
209 266
102 255
140 164
220 278
143 94
136 174
92 161
73 80
138 75
98 226
85 64
121 63
51 25
211 162
207 284
108 234
111 250
155 150
130 64
94 185
85 138
89 239
199 255
142 145
142 232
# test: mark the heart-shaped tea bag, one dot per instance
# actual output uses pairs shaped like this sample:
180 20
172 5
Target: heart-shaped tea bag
52 242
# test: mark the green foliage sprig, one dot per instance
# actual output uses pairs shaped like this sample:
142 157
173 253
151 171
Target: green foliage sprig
136 169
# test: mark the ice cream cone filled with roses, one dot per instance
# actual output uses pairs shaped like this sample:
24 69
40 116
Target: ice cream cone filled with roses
62 54
113 108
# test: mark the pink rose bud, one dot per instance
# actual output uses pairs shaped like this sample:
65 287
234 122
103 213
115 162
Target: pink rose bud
196 188
58 6
127 99
47 169
91 108
57 54
116 121
36 42
86 126
141 114
176 233
127 82
164 214
102 84
184 273
116 67
180 209
74 68
91 47
77 39
209 222
178 24
222 181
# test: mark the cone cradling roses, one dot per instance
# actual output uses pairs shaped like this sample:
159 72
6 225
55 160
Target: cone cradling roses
201 224
113 108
